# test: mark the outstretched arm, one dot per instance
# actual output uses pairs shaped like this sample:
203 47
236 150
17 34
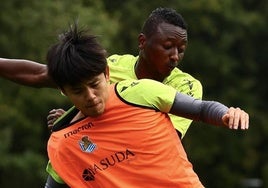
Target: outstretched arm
25 72
210 112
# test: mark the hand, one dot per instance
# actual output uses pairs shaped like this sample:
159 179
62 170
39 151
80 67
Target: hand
53 115
235 118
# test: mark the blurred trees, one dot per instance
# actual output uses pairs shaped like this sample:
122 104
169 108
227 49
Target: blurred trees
27 30
227 52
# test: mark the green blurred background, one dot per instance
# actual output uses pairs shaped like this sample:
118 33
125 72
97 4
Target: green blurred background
227 52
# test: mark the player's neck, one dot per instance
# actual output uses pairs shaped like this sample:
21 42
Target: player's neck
78 116
143 71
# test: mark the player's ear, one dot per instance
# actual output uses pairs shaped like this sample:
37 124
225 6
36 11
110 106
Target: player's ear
107 73
142 40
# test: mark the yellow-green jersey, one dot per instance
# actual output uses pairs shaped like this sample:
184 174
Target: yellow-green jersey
122 67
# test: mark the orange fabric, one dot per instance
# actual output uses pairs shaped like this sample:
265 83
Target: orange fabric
110 151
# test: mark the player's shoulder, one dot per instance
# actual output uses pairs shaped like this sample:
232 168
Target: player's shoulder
178 77
146 92
121 59
140 83
179 74
144 86
184 83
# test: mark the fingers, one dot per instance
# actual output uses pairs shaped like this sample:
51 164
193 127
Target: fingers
244 120
236 119
53 115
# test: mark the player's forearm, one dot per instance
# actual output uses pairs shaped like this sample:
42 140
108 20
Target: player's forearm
206 111
25 72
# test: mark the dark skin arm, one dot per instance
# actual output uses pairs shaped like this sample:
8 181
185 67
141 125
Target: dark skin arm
25 72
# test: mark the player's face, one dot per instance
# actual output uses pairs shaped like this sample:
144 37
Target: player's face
165 49
90 96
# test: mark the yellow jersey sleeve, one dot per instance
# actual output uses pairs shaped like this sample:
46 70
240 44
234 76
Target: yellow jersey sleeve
147 93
